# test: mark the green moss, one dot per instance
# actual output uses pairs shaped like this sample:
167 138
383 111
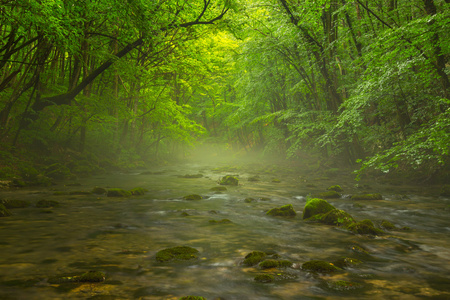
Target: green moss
319 266
337 217
276 180
254 258
229 180
176 253
316 206
346 262
118 193
138 191
387 225
284 211
4 212
364 228
218 189
367 222
14 203
47 203
328 195
98 190
342 285
359 250
193 197
264 278
336 188
268 263
367 197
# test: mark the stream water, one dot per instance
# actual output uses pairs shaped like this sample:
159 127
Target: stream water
120 237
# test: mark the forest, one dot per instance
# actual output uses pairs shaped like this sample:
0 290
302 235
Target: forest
87 85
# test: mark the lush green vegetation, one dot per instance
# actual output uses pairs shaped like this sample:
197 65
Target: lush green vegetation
362 83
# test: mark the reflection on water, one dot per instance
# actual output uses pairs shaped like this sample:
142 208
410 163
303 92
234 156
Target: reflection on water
120 237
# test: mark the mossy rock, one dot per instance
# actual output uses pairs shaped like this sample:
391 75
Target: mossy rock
192 298
345 262
249 200
47 203
337 217
328 195
118 193
264 278
176 253
367 197
386 225
320 266
336 188
284 211
4 212
138 191
193 197
445 190
99 190
223 221
276 180
218 189
316 206
229 180
359 250
254 178
92 276
10 204
364 227
273 263
254 258
343 286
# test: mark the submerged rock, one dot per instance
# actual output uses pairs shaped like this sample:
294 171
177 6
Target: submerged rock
346 262
4 212
176 253
254 258
343 286
273 263
316 206
90 276
387 225
138 191
98 190
329 195
192 298
367 197
47 203
284 211
364 227
254 178
118 193
191 176
193 197
320 266
229 180
223 221
264 278
10 204
218 189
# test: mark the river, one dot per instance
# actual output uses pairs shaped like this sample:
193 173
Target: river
120 237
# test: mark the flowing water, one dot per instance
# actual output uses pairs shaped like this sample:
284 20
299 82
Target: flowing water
120 237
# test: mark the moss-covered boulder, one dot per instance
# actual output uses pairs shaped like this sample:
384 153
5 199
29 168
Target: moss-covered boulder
367 197
138 191
364 227
218 189
328 195
177 253
254 258
47 203
4 212
346 262
118 193
98 190
274 263
320 266
13 203
445 190
193 197
386 225
264 278
336 188
229 180
284 211
92 276
337 217
316 206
